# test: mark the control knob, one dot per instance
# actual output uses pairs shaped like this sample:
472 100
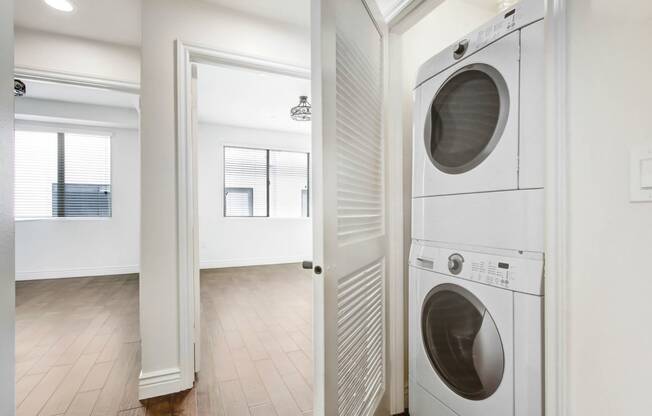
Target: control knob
461 49
455 263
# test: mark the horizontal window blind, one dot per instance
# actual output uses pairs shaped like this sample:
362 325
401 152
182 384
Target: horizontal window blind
265 183
288 184
62 175
245 182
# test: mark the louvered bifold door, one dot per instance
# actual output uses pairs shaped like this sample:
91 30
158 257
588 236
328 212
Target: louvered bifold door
349 207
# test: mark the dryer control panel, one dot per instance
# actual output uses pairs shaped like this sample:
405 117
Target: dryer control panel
507 269
494 31
520 15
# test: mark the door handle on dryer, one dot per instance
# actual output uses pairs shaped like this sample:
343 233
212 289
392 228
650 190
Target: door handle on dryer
426 263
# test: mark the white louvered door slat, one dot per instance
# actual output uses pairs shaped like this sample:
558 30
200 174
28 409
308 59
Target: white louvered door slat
349 206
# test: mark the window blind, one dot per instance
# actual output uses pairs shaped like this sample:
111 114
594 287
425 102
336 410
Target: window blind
245 182
288 184
265 183
62 175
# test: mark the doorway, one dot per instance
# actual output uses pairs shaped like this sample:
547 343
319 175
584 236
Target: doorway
252 170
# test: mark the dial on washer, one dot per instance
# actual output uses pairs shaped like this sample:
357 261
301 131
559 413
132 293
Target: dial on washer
455 263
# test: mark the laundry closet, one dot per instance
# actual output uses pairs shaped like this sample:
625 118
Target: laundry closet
473 127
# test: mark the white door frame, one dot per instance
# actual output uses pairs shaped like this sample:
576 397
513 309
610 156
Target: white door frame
404 16
188 54
557 219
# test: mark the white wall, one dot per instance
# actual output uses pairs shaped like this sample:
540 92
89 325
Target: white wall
76 56
55 111
610 245
7 292
164 21
67 247
231 242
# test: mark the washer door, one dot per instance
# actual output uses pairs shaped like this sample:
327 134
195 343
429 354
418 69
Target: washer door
462 342
466 118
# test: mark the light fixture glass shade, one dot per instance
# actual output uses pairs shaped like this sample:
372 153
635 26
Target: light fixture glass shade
302 111
61 5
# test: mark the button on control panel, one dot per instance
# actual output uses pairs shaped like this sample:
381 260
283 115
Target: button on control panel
496 30
492 272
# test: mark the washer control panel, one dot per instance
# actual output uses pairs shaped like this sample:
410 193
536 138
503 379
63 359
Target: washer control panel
492 271
507 269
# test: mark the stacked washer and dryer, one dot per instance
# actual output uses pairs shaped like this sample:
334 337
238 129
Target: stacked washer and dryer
477 257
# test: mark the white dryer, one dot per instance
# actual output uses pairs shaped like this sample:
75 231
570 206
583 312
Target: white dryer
478 113
475 332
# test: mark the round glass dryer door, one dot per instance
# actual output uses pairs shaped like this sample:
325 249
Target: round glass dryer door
462 342
466 118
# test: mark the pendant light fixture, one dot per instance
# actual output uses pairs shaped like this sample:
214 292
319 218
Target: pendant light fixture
302 111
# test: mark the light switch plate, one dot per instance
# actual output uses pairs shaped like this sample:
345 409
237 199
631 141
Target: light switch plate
641 174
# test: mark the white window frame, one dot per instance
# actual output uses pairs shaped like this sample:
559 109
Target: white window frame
268 150
69 129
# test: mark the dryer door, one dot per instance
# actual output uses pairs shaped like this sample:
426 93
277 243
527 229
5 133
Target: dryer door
466 119
466 124
462 342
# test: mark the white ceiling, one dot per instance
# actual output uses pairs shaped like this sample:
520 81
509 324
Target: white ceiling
296 12
79 94
245 98
116 21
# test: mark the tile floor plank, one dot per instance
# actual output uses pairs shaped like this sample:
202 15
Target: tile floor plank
282 399
26 385
108 403
64 395
83 403
36 399
97 376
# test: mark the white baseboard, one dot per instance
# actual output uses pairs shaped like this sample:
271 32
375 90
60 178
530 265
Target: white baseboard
159 383
257 261
77 272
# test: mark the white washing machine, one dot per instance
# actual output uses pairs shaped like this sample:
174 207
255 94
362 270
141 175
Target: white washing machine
475 332
478 113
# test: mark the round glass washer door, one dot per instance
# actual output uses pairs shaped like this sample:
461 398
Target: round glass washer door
466 118
462 342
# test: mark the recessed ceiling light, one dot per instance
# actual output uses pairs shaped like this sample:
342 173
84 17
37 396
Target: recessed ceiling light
61 5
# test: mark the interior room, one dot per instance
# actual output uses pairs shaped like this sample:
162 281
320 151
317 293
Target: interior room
325 207
254 233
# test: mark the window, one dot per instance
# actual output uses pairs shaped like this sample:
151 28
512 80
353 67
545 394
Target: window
265 183
62 175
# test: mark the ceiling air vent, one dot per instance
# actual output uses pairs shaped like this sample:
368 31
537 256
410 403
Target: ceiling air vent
19 88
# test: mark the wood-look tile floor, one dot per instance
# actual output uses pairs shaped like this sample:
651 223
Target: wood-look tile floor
256 342
78 346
